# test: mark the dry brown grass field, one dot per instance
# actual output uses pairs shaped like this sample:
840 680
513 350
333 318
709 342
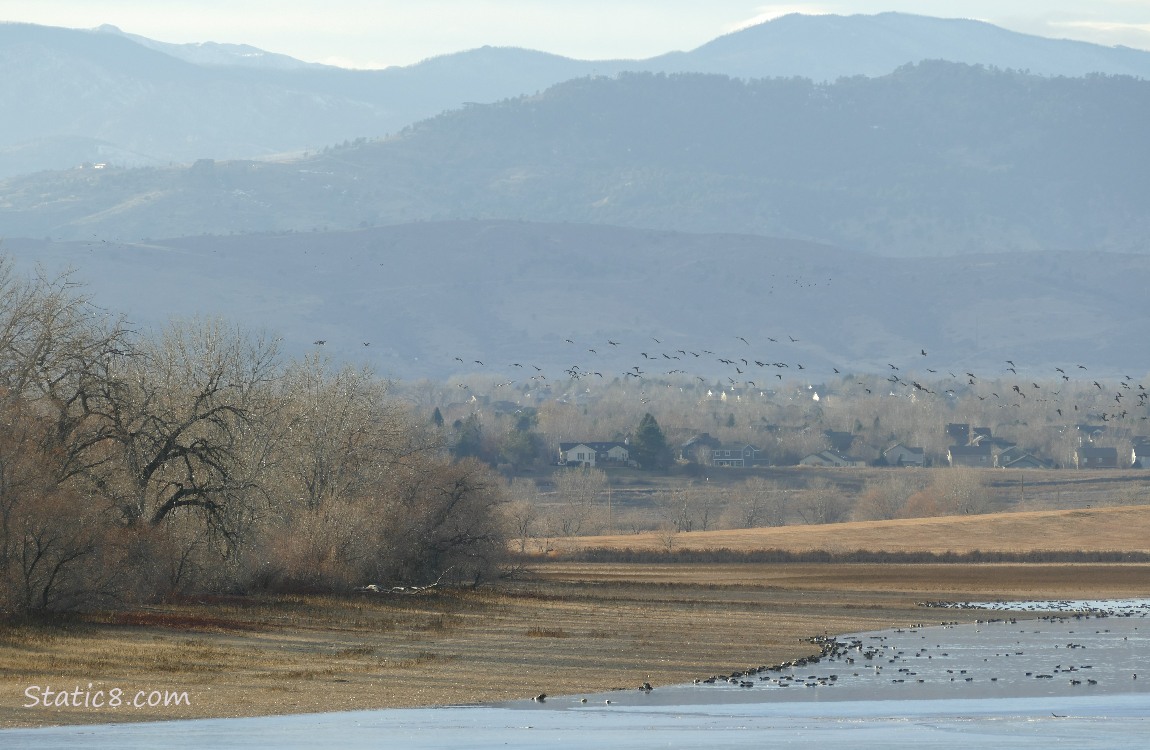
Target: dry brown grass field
557 627
1014 489
1123 529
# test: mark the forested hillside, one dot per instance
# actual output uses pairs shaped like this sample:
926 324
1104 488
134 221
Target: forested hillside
934 159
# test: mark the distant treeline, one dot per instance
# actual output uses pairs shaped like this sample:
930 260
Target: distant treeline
724 555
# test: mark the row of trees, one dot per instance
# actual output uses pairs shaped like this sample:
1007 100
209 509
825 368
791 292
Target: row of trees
135 466
516 441
578 501
786 423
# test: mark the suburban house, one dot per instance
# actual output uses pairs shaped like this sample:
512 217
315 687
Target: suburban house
593 453
1097 458
738 455
982 436
980 456
900 455
699 447
1016 458
831 458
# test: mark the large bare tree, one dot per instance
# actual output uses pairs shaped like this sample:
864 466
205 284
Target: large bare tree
53 342
168 419
577 491
342 433
442 520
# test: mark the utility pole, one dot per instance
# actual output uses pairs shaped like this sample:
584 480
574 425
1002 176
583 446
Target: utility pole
610 515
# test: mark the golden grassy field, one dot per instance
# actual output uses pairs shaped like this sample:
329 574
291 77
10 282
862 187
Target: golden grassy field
1122 529
558 627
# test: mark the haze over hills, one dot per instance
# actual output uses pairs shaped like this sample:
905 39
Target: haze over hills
1002 213
512 292
216 53
933 159
827 47
108 96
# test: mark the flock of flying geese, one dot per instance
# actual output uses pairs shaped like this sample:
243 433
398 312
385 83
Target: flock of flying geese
739 368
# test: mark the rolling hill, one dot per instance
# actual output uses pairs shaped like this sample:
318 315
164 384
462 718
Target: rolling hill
503 292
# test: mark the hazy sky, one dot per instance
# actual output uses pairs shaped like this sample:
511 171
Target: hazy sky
378 33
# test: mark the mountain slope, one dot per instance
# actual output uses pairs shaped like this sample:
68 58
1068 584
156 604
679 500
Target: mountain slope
503 292
151 105
934 159
135 101
215 53
827 47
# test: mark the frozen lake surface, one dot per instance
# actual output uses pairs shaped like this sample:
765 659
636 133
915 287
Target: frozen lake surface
1080 679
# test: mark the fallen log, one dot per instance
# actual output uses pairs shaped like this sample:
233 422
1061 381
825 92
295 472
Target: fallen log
373 588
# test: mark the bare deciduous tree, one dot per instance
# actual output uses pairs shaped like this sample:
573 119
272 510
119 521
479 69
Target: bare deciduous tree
690 508
342 433
884 499
51 535
51 540
442 517
952 491
167 418
757 502
821 502
522 512
961 491
576 491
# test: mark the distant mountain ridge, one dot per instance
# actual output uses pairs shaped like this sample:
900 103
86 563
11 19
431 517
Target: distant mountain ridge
827 47
216 53
934 159
106 95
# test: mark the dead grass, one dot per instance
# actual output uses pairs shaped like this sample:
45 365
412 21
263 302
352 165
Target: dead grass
561 628
547 633
1125 529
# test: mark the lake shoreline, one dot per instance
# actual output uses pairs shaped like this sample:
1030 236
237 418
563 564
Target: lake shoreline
956 711
566 629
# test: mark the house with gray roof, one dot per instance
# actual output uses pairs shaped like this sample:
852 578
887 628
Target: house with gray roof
1090 457
831 458
977 456
699 447
593 453
900 455
739 455
1016 458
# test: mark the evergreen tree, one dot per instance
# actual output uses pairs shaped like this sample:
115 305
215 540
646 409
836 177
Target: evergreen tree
437 417
649 446
469 438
